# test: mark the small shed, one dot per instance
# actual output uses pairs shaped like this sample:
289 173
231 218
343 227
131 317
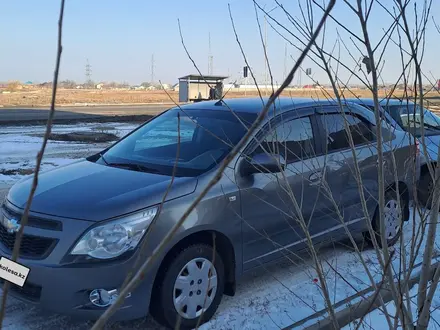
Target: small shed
196 87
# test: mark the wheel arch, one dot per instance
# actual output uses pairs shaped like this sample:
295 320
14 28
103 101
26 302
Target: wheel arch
423 185
425 169
224 248
403 190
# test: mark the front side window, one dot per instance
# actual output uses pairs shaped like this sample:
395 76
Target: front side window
293 139
337 138
206 137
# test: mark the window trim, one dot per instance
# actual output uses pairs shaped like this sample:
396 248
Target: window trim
385 115
323 139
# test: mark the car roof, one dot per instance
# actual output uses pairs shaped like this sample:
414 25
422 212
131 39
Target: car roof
256 104
382 102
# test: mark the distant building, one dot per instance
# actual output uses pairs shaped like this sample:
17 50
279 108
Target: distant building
46 85
259 86
230 86
137 88
195 87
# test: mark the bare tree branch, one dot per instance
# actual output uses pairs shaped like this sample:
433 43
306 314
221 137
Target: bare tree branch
24 218
139 275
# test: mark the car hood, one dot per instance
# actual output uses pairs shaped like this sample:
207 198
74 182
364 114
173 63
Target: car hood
89 191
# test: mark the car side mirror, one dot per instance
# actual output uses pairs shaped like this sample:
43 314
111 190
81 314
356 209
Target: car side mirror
263 163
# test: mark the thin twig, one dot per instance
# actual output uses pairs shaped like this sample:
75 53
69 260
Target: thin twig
135 281
143 247
25 216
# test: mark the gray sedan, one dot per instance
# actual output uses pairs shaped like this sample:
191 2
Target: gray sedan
89 219
406 115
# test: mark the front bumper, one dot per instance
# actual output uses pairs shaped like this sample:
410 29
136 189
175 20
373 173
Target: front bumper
65 288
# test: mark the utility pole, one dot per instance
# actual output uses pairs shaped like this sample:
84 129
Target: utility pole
285 62
265 50
210 57
265 55
88 73
152 68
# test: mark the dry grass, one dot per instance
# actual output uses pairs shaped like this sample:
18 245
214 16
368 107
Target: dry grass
41 97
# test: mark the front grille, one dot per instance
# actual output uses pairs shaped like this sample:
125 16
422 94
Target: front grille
32 247
33 221
28 291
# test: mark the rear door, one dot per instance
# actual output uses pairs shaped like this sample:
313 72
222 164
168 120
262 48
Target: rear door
341 185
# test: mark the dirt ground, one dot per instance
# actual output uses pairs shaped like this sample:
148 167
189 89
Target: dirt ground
41 97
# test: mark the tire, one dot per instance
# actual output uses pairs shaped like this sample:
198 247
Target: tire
425 189
197 289
394 218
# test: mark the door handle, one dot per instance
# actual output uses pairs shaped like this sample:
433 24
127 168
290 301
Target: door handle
315 178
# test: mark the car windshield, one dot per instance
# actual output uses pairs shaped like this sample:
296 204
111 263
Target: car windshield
206 137
409 117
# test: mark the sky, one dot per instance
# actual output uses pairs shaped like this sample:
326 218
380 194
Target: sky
120 38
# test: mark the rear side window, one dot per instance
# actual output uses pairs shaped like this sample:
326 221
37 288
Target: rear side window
293 139
337 138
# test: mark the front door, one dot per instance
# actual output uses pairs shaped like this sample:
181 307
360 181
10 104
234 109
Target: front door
271 220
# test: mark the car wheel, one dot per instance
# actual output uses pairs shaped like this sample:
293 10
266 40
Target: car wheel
393 216
425 189
192 288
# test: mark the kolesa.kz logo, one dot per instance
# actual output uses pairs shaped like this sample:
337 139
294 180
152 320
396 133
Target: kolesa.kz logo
13 272
9 270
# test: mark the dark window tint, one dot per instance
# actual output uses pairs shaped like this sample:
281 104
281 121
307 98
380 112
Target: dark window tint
292 139
337 137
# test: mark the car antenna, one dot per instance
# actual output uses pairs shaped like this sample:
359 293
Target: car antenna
219 102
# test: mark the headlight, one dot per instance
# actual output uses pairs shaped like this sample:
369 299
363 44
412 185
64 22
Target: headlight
115 237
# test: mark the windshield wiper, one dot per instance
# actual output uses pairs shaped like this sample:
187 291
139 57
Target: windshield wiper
134 167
